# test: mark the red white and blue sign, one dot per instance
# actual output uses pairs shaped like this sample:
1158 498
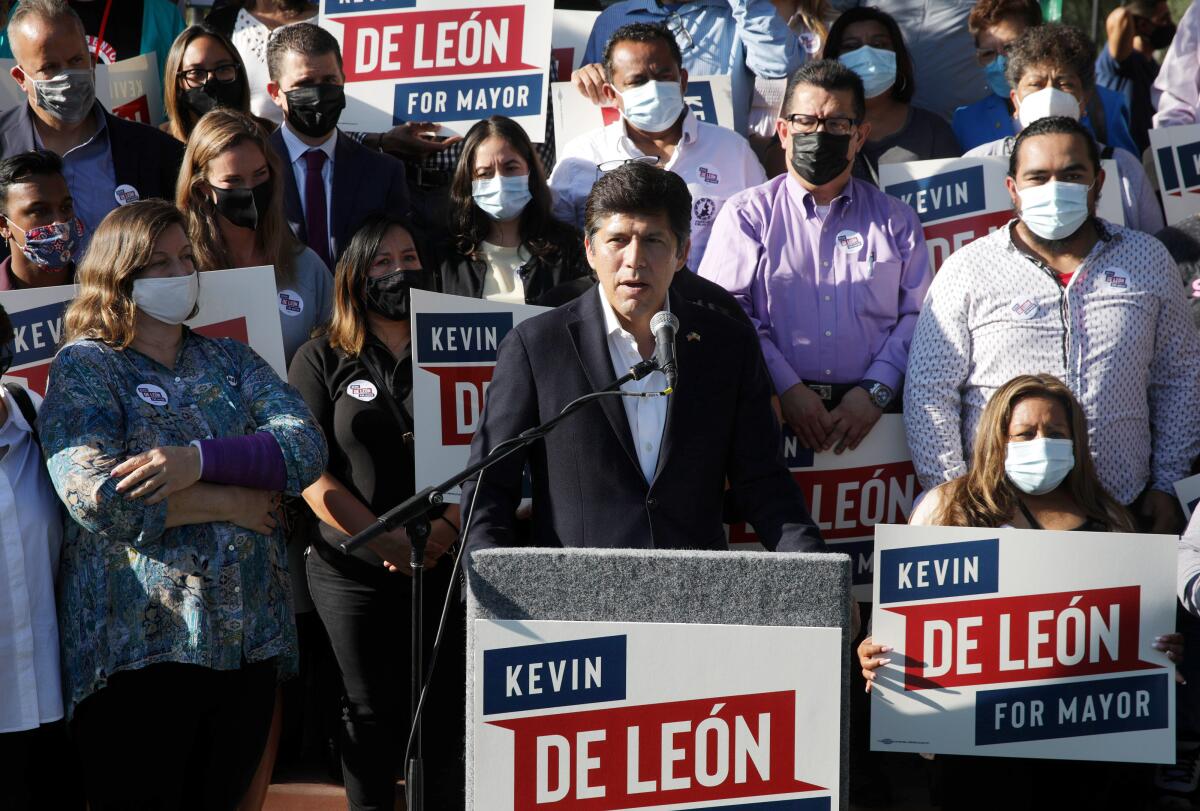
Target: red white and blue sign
588 715
449 61
1024 643
1177 158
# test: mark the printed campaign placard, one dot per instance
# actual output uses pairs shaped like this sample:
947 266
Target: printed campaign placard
1188 492
569 39
962 199
130 89
710 97
450 61
1024 643
237 303
455 340
849 493
1177 159
594 715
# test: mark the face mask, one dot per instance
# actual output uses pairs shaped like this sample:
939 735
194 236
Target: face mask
653 106
213 94
875 66
69 96
388 295
997 82
502 198
1161 36
1038 466
1047 102
245 208
51 247
819 157
314 110
1054 210
170 299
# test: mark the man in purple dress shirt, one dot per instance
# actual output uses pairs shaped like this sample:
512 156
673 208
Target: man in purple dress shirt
831 270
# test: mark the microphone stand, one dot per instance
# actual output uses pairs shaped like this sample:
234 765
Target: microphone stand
412 514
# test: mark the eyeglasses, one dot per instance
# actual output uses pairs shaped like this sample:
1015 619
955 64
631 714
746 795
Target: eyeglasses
803 124
617 163
196 77
679 30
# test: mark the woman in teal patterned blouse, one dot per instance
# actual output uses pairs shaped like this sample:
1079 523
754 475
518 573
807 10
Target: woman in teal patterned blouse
169 450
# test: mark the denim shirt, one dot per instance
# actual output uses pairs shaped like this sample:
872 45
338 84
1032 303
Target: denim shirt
133 593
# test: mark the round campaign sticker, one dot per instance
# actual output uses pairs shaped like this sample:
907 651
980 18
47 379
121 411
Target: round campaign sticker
1115 278
152 394
1024 307
362 390
704 210
126 194
849 241
290 303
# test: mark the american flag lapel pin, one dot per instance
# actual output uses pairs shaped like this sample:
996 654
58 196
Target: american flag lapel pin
693 336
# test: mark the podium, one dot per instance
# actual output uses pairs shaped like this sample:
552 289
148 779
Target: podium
703 751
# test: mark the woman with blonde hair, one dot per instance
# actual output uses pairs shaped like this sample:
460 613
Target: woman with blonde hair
203 72
169 450
1030 469
231 191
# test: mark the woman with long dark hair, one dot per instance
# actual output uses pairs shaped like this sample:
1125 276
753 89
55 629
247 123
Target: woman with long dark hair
203 72
505 245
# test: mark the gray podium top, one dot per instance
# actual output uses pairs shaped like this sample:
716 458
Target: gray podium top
650 585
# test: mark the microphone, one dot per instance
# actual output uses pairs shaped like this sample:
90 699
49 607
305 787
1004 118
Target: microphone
664 325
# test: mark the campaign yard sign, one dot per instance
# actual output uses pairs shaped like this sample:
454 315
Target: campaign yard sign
849 493
1177 159
568 40
236 303
449 61
1024 643
593 715
129 89
455 341
710 97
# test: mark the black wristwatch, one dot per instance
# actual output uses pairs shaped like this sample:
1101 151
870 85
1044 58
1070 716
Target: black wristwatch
881 395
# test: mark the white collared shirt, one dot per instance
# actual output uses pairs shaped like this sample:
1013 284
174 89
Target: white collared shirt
647 415
30 540
715 162
296 149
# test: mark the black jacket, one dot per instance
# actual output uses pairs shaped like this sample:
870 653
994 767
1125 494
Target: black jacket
461 275
588 488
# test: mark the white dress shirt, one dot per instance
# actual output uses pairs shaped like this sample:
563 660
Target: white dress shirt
296 149
30 540
647 415
715 162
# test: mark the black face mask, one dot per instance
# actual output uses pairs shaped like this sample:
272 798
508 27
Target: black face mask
314 110
245 208
388 295
1161 36
819 157
213 94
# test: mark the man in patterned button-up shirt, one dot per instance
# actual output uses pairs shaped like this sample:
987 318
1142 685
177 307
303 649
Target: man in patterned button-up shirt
1102 308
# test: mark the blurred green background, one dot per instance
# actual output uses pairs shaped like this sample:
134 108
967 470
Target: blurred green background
1079 12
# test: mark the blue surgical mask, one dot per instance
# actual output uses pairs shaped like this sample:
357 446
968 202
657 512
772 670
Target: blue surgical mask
1054 210
1038 466
502 198
653 106
875 66
997 82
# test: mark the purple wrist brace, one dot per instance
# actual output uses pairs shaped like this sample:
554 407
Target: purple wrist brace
254 460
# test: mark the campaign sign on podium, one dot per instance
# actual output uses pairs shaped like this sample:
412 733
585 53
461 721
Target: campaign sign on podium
1177 159
455 341
602 715
1024 643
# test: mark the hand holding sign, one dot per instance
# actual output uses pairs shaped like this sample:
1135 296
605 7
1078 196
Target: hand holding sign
589 81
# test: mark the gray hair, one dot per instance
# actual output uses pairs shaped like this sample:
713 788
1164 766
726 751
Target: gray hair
49 10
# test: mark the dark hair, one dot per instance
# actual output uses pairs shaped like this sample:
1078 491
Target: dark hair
641 32
905 84
830 75
987 13
1142 8
22 167
6 327
1054 125
539 231
1053 44
639 188
303 38
180 117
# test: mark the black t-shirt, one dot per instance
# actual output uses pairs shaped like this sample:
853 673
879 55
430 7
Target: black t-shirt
122 34
370 444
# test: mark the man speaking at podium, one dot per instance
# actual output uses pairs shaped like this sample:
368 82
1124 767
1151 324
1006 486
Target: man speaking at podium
635 472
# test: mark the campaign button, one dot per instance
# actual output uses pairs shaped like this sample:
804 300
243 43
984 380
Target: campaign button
849 241
1024 308
149 393
1116 278
362 390
126 194
290 303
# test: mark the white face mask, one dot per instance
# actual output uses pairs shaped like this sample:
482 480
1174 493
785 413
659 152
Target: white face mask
1039 465
653 106
1054 210
170 299
1049 101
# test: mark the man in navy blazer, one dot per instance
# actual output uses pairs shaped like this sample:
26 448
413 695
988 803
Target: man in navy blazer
348 181
107 161
636 472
